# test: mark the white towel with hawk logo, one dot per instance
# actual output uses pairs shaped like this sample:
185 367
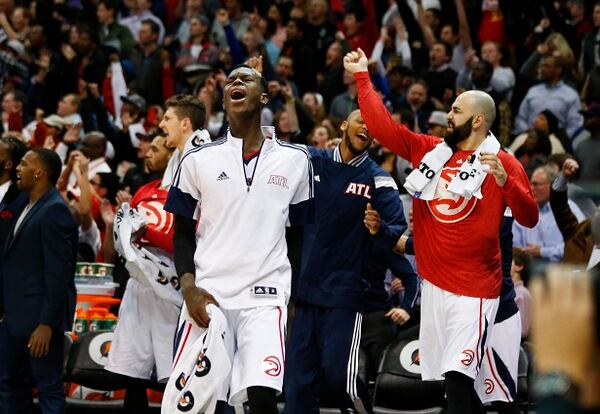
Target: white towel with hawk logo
202 369
423 180
150 266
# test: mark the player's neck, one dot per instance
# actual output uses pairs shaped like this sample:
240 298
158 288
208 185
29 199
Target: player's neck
38 191
249 131
182 142
471 143
346 153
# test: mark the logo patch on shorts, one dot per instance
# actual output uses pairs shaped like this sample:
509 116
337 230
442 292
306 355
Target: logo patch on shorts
186 402
181 381
466 357
489 386
202 365
272 366
264 291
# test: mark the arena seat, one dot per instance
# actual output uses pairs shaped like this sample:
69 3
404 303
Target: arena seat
66 351
398 387
85 365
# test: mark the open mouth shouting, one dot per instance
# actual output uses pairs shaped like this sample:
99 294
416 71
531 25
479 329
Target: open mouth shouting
237 95
363 137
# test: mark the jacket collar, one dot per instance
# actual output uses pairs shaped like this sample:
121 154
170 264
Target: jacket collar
355 162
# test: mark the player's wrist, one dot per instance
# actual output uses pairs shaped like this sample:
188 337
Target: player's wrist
188 284
401 245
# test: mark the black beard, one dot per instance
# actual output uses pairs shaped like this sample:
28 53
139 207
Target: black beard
351 147
459 133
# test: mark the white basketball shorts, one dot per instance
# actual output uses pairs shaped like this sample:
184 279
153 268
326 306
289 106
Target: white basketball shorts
497 379
259 349
144 334
454 332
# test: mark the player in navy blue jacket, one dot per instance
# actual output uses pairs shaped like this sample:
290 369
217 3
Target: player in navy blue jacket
324 343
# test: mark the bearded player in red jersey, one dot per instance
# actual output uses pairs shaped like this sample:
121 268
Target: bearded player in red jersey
458 210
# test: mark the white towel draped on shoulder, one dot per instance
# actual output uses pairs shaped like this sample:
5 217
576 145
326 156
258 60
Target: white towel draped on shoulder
423 180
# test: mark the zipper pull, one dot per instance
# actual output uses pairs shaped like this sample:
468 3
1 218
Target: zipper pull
247 188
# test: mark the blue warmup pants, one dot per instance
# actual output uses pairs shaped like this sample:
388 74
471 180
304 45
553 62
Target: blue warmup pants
322 359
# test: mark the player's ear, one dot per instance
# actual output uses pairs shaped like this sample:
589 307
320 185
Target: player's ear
479 121
344 126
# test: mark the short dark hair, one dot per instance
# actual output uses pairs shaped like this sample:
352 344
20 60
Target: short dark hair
400 70
154 27
188 106
522 258
17 149
110 181
453 27
20 97
84 28
51 163
485 65
447 47
109 4
301 24
263 81
358 10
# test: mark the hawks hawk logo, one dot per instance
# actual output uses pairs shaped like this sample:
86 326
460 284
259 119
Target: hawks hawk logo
105 349
272 366
447 207
489 386
466 357
175 282
202 365
186 402
162 279
409 357
156 217
181 381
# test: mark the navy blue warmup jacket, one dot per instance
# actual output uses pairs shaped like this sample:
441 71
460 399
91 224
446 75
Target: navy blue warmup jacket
336 245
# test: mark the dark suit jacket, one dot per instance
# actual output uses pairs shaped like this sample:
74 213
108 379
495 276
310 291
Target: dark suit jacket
10 208
37 268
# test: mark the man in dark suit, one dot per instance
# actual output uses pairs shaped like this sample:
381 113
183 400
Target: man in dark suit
12 200
37 267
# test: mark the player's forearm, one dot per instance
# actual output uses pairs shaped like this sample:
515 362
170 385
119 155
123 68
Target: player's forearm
520 199
184 246
378 119
108 247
